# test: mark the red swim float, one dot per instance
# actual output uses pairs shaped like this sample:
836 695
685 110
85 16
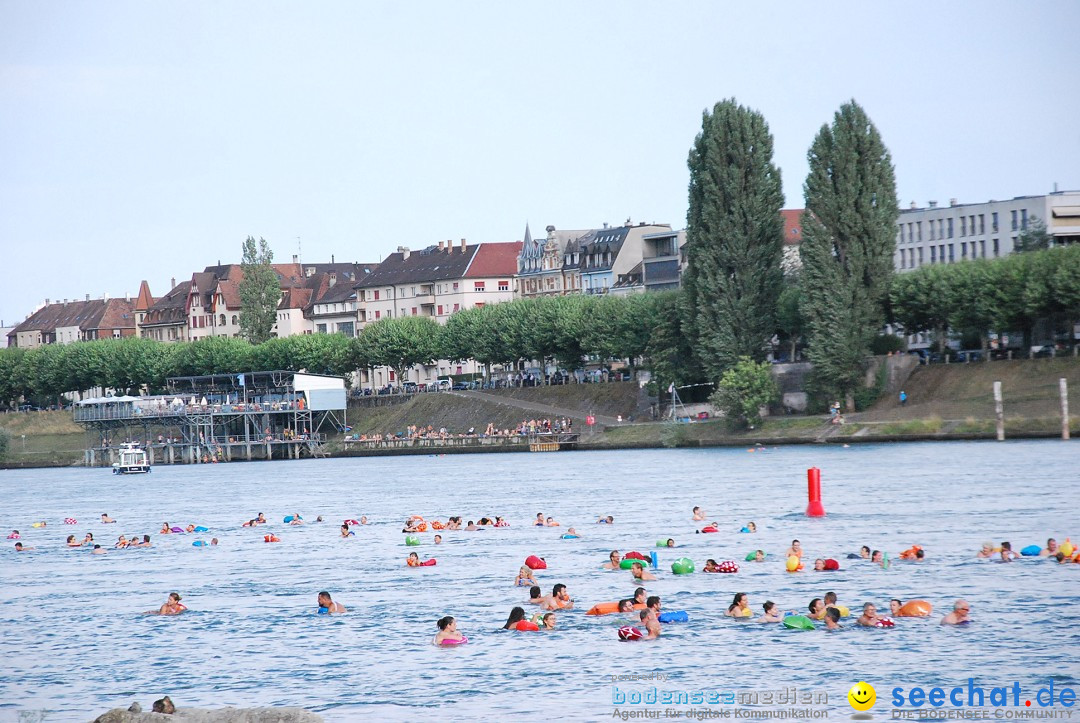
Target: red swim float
535 563
271 538
629 632
831 564
709 528
527 626
635 556
728 566
350 522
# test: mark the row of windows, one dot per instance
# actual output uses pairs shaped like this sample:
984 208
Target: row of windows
946 253
973 225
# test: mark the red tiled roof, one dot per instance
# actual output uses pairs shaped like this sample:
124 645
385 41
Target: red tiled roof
295 298
145 300
495 259
117 314
792 226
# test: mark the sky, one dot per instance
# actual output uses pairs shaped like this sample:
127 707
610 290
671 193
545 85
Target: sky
147 140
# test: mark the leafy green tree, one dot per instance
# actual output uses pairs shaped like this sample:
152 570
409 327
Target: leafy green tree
670 354
260 292
734 235
5 442
921 301
849 237
974 299
10 389
212 355
401 343
743 390
1035 237
789 319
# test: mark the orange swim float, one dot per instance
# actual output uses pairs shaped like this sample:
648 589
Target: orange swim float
607 608
436 525
915 609
910 553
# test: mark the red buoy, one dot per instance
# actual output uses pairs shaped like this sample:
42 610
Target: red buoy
814 508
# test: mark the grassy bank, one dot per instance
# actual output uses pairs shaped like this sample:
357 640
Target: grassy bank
42 439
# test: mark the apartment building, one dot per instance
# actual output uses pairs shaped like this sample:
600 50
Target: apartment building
75 320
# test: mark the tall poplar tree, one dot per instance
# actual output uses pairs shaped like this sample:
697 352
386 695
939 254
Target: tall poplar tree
260 292
849 236
735 236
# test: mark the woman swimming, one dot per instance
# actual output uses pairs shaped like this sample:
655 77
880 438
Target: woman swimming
517 614
524 577
447 631
772 613
172 606
740 606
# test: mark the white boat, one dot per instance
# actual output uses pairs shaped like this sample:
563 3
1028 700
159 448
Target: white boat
133 459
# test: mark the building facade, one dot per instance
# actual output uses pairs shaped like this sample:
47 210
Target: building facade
67 322
959 231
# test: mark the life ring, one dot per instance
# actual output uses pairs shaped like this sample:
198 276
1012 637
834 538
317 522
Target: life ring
70 521
198 543
885 623
798 622
626 563
728 566
527 626
709 528
569 537
629 632
463 640
910 553
675 616
535 563
608 608
915 609
271 538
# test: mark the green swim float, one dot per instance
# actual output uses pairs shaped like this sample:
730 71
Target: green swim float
682 566
799 622
752 555
412 541
627 563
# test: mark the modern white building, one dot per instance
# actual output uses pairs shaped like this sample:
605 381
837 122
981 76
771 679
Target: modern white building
947 234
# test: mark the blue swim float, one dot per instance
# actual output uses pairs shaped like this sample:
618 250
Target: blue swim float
200 528
198 543
570 537
287 519
675 616
1031 551
324 611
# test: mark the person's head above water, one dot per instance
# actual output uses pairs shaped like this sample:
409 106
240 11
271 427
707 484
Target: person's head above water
535 592
815 605
670 542
324 599
516 614
639 596
819 564
445 622
626 605
830 598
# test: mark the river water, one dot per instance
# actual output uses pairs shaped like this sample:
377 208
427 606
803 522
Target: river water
76 642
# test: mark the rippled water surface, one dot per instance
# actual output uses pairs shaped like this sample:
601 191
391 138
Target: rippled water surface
76 643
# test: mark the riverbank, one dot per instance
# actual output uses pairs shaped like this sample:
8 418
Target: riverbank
944 402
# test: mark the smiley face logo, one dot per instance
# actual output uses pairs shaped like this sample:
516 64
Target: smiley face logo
862 696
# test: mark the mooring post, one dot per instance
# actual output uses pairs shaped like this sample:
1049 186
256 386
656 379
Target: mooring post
1063 386
999 412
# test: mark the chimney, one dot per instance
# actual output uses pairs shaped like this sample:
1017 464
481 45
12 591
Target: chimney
933 204
172 285
295 259
331 258
65 302
462 245
404 251
449 246
441 246
605 224
88 297
46 302
127 296
333 279
952 201
913 206
105 296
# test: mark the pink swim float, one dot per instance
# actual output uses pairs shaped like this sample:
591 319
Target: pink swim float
351 522
14 536
463 640
179 530
70 521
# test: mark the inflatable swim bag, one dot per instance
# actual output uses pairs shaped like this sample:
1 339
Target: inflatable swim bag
412 541
798 622
568 536
1031 551
676 616
682 566
535 563
885 623
70 521
709 528
526 626
455 642
831 564
629 632
793 564
728 566
635 556
200 528
915 609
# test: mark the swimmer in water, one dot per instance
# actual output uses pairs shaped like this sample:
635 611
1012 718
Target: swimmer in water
260 519
213 541
438 539
165 529
534 595
297 519
819 564
987 551
894 606
517 614
105 519
958 615
772 613
1007 553
98 550
670 542
447 631
145 541
346 532
559 599
699 515
751 527
759 556
471 527
878 557
817 609
524 577
653 605
740 606
71 542
414 560
121 543
172 606
638 572
830 599
613 561
832 619
551 522
652 624
869 617
329 605
539 519
363 520
546 621
639 596
711 566
795 549
573 532
626 606
864 552
19 547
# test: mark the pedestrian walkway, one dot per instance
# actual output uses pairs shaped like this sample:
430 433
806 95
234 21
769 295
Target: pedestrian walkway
546 410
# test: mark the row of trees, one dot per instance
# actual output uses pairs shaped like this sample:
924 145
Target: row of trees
736 298
560 330
976 298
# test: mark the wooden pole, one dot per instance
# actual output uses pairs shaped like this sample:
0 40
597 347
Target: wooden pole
1063 385
999 412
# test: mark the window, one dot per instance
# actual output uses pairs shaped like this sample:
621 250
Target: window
320 328
1014 220
478 286
982 248
920 255
412 290
997 247
221 321
439 310
900 238
963 226
402 311
1023 219
931 230
952 253
456 306
235 320
940 228
963 249
504 285
950 228
480 305
919 227
994 222
982 223
346 328
376 294
971 225
378 315
1016 244
413 311
455 286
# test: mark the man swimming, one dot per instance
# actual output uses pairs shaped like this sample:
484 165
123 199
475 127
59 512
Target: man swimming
795 550
1050 549
559 599
958 615
638 572
699 515
869 617
105 519
652 624
832 619
329 606
613 561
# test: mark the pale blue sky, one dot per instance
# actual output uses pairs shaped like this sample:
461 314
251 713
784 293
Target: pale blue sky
146 140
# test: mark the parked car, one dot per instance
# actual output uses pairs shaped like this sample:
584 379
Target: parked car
1044 351
462 386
